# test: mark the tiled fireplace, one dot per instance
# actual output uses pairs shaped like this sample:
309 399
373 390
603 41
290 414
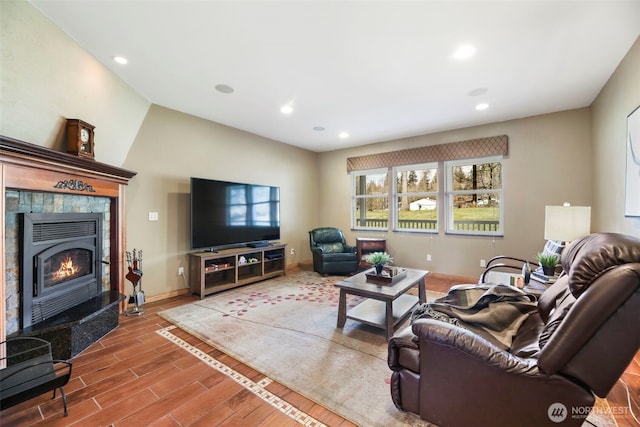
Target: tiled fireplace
63 252
61 264
34 290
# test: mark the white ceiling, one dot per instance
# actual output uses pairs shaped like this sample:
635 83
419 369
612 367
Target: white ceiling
379 70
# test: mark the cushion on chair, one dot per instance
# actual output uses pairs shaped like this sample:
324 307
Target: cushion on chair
525 344
591 256
553 247
327 235
339 256
562 302
403 351
331 248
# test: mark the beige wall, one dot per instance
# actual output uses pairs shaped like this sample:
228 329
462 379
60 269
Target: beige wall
46 77
553 158
545 166
619 97
169 149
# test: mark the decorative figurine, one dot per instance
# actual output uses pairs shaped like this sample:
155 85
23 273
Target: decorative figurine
134 261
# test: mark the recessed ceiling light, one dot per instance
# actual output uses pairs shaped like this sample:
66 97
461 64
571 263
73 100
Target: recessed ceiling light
224 88
318 128
344 135
464 52
478 91
482 106
287 109
121 60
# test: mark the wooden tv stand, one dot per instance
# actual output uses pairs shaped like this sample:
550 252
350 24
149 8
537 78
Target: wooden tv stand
211 272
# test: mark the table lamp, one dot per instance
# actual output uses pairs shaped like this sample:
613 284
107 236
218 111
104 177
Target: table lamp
566 223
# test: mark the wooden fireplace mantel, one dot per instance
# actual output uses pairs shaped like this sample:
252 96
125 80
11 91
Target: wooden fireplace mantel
34 156
25 166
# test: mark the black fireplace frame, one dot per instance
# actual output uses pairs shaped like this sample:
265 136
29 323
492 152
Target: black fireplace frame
44 234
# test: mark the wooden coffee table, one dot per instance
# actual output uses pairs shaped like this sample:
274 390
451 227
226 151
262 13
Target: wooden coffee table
386 306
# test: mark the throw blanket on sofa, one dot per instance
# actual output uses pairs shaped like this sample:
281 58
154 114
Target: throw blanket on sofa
493 311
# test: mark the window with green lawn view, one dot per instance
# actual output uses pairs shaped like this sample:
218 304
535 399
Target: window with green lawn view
474 196
416 195
370 208
469 201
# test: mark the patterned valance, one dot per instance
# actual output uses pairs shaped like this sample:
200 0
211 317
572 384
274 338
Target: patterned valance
481 147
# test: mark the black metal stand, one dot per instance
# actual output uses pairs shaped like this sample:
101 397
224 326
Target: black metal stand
136 310
134 259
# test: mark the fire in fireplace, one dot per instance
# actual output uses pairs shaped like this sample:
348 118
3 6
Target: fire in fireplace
61 265
66 265
67 269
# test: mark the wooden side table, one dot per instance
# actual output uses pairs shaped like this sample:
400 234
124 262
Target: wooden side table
367 245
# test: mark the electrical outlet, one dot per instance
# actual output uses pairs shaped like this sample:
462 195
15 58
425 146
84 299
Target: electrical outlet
429 257
293 251
180 271
483 263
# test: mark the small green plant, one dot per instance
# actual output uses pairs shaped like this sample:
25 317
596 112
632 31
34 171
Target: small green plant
547 260
379 258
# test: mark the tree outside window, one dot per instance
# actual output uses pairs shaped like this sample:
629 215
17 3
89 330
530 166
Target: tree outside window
370 209
474 196
416 195
414 199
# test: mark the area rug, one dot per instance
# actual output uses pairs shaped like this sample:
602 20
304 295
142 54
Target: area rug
286 329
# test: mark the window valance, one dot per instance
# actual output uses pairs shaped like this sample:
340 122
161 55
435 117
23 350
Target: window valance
480 147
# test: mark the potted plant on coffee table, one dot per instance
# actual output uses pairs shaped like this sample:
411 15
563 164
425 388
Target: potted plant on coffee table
548 262
379 260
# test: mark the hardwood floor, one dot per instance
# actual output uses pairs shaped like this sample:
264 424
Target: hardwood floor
134 376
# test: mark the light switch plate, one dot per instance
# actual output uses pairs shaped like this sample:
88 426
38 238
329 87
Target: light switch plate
153 216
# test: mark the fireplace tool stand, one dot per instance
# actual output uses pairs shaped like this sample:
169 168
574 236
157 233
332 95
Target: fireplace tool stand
134 261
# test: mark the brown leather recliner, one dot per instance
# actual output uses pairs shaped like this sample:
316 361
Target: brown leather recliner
579 341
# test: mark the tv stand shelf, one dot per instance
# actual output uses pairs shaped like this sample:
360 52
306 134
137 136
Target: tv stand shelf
211 272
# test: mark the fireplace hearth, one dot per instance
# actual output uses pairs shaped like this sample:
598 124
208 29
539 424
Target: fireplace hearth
30 182
61 281
61 263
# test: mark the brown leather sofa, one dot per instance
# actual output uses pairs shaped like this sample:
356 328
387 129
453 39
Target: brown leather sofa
577 344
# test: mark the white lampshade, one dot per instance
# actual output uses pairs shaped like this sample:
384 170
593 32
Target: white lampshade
566 223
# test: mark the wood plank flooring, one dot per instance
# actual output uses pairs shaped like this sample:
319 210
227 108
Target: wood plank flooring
136 377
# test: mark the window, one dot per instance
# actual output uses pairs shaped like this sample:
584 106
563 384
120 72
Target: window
370 207
416 195
474 196
414 198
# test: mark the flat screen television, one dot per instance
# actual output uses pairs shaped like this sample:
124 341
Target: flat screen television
230 214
